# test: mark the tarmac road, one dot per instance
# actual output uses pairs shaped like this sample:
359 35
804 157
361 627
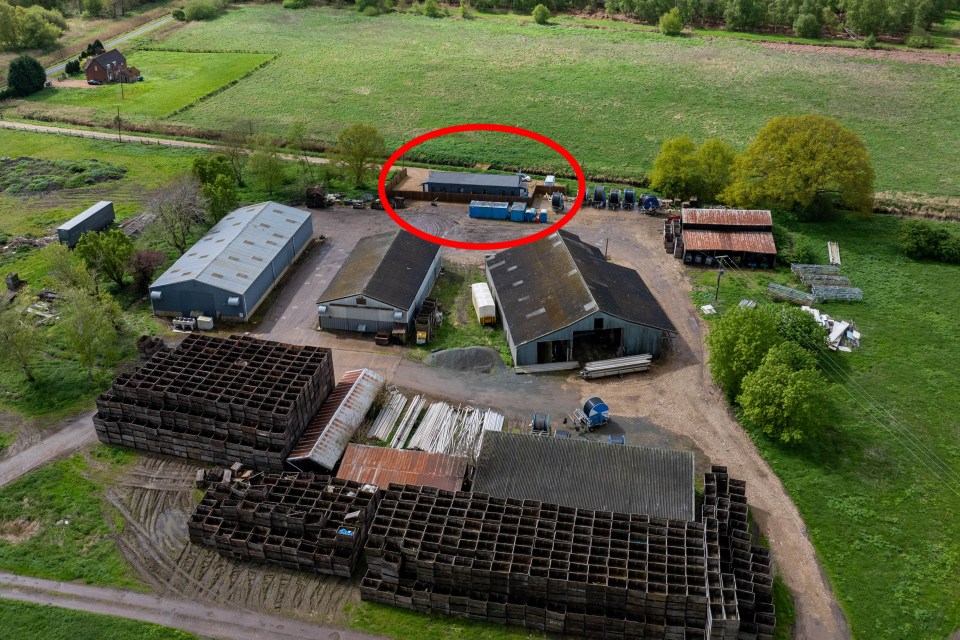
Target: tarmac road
202 618
110 44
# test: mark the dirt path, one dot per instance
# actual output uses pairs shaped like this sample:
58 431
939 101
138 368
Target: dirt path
76 432
897 55
132 139
202 618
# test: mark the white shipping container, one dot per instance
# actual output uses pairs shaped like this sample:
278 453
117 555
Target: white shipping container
483 303
550 181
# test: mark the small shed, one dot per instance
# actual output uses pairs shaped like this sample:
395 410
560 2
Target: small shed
339 417
97 217
742 236
382 466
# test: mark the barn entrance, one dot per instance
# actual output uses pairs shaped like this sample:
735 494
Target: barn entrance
599 344
553 351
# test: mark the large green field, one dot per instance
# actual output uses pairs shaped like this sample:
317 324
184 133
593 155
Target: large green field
884 525
610 96
171 81
41 622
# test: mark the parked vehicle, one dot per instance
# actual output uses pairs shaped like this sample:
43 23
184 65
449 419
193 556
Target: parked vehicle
94 82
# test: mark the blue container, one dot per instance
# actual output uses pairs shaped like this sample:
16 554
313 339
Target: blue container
488 210
530 215
543 217
517 212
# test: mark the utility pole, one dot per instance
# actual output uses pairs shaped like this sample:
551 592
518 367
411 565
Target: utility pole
121 87
720 272
119 135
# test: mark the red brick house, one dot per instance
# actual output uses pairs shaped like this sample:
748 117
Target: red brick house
110 67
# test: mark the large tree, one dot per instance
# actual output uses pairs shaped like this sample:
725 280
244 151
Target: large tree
807 164
265 162
66 269
675 171
89 325
176 210
785 396
222 198
19 339
357 147
142 265
741 337
714 161
25 76
106 253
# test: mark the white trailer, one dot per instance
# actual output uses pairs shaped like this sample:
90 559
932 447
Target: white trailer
483 303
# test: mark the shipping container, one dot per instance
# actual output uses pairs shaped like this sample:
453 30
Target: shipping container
483 303
550 181
95 218
517 211
489 210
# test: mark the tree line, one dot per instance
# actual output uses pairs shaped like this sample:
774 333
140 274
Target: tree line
808 17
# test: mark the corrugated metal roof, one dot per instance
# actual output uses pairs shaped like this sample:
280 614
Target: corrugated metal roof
338 418
80 217
728 217
587 474
238 248
547 285
389 267
751 241
383 465
473 179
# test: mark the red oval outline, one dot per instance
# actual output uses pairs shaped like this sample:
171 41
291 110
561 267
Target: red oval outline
481 246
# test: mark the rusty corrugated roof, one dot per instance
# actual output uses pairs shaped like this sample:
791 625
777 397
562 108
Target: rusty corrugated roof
338 418
728 217
382 465
750 241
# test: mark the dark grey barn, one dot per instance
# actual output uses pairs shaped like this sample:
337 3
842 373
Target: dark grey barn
382 284
230 270
481 184
560 300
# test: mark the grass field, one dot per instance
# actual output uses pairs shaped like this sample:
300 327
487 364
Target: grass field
403 624
609 96
883 525
40 622
171 81
62 523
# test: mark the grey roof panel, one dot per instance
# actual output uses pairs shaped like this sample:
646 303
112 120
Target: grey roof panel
565 280
238 248
389 267
587 474
82 217
473 179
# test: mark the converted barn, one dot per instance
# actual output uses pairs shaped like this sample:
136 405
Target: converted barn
381 285
587 474
560 300
743 236
95 218
229 272
481 184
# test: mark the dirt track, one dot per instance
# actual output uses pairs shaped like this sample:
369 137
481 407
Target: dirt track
75 433
201 618
918 56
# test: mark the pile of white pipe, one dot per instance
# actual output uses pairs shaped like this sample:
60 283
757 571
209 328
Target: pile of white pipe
407 422
454 431
386 420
